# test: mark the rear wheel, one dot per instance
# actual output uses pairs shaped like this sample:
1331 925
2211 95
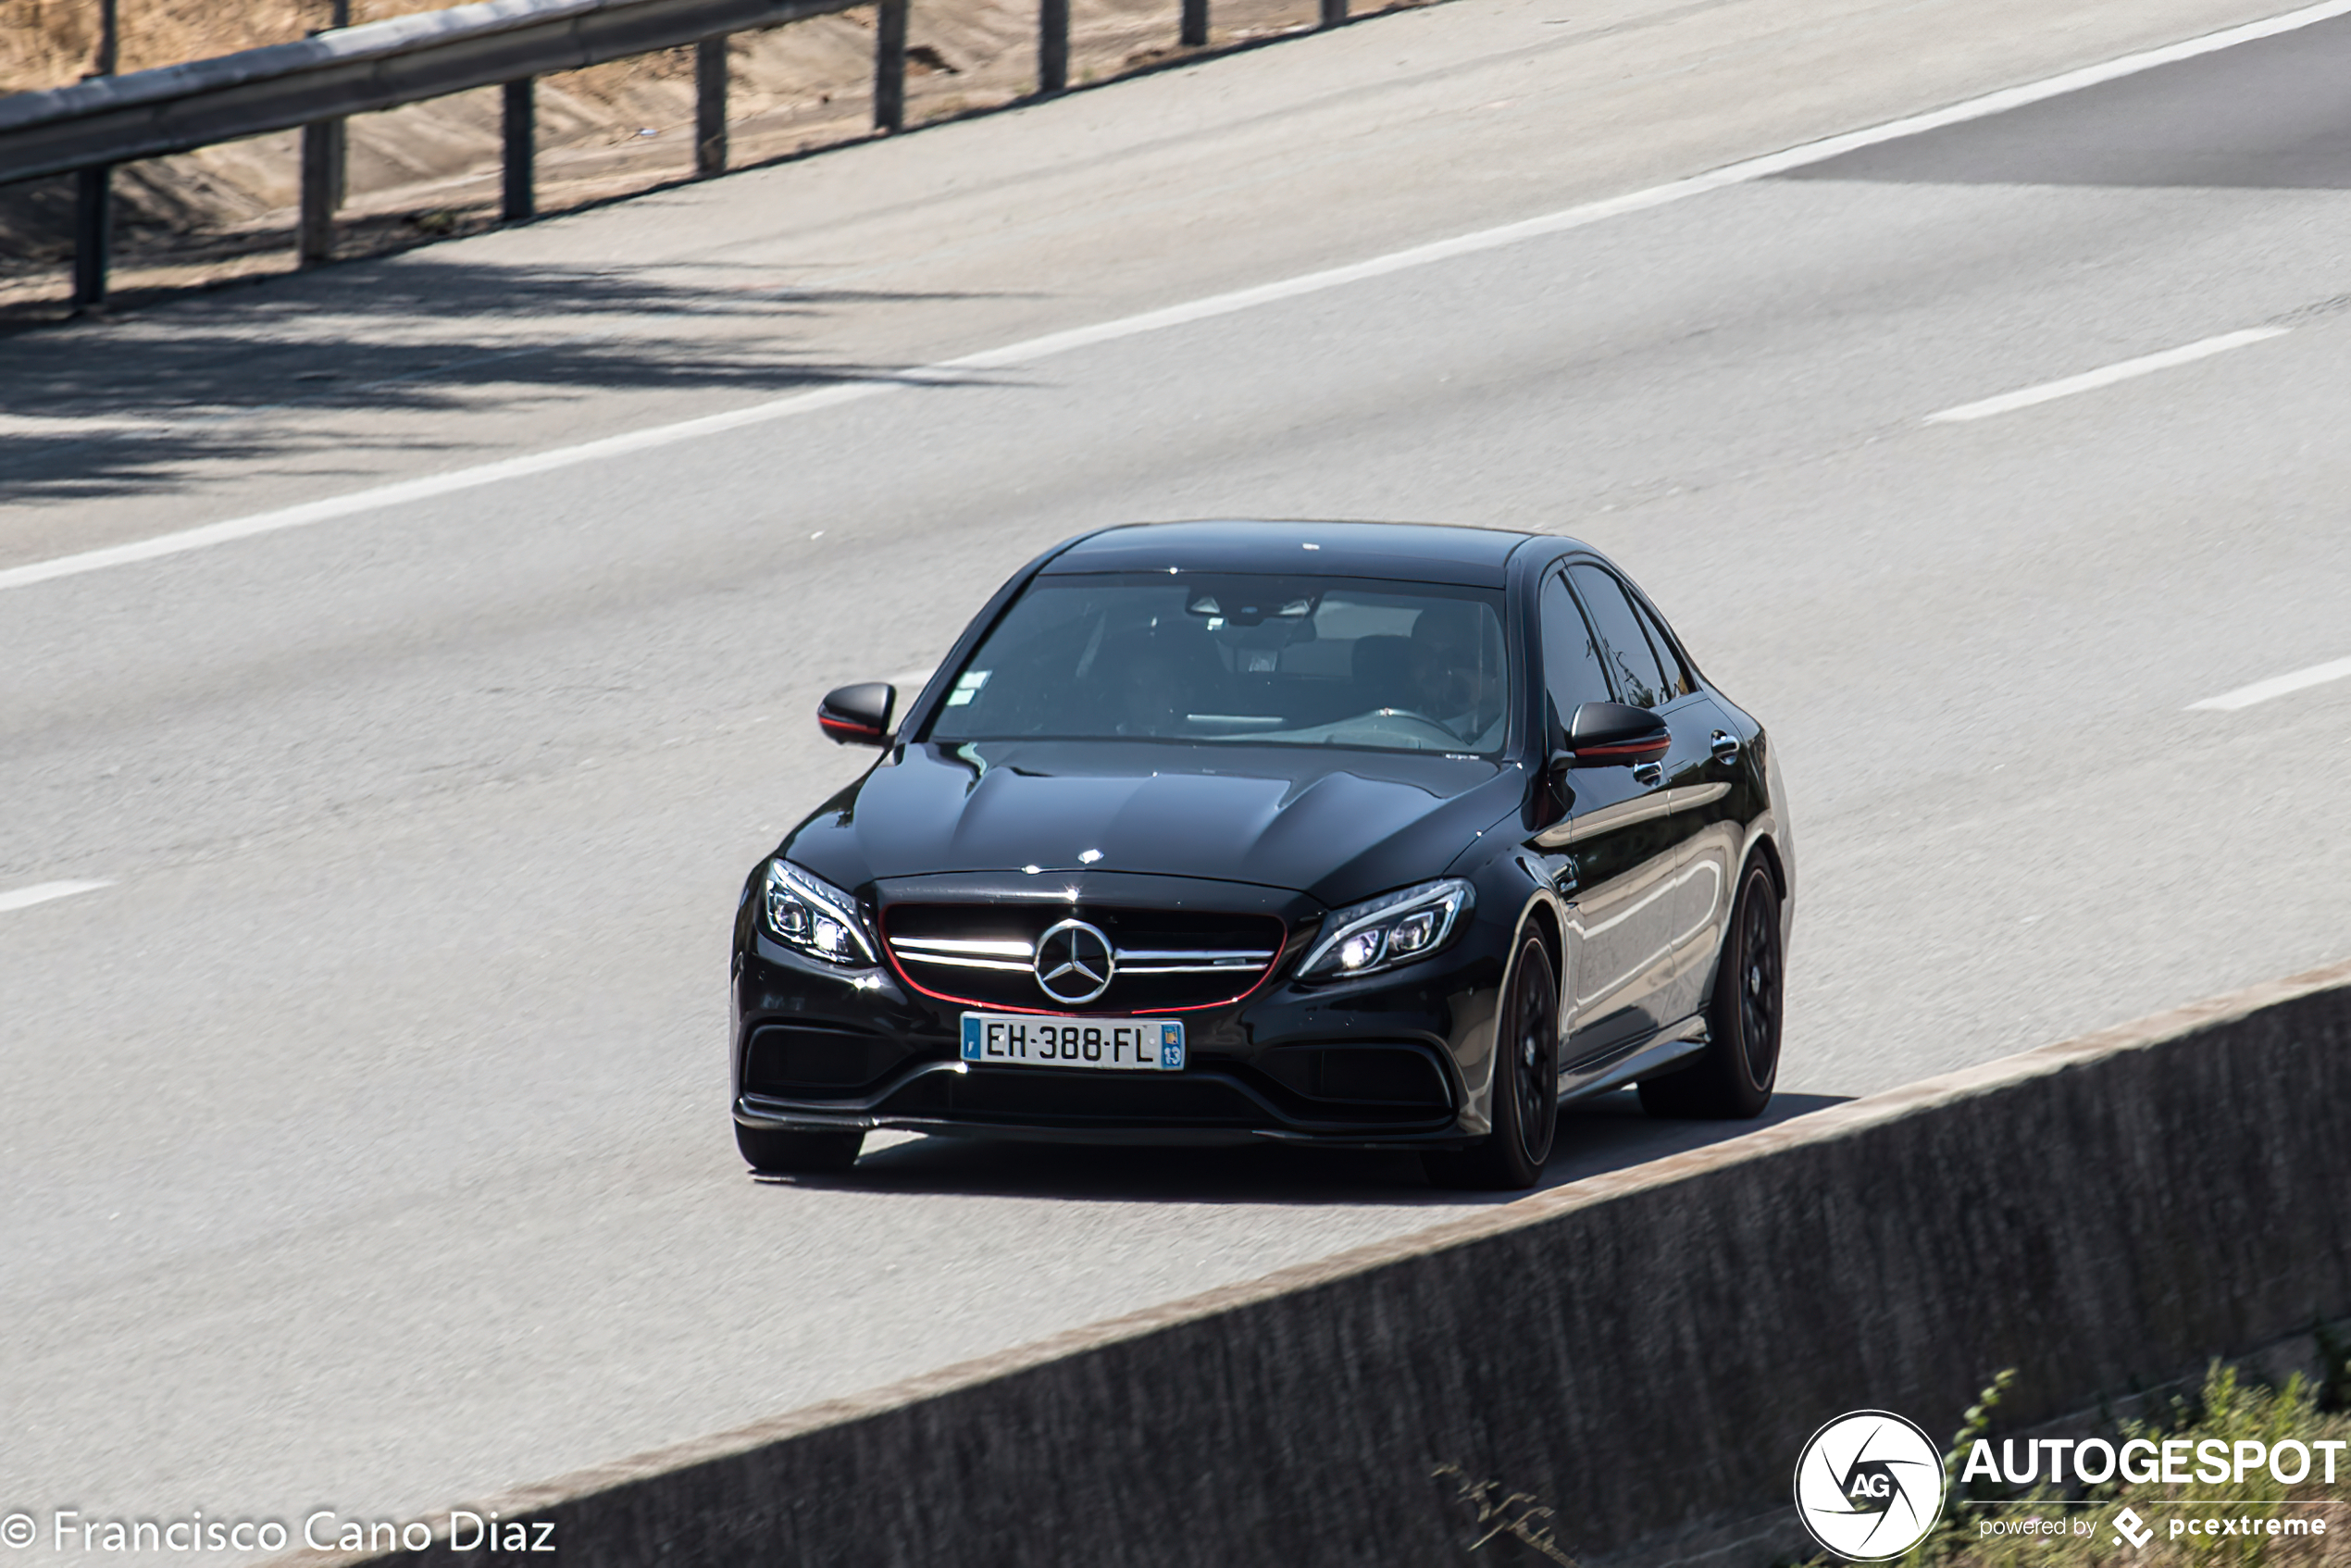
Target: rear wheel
775 1151
1526 1087
1734 1078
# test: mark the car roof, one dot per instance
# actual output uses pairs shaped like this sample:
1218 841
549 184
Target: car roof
1405 551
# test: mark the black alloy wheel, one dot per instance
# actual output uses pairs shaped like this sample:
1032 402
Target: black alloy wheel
775 1151
1526 1086
1732 1079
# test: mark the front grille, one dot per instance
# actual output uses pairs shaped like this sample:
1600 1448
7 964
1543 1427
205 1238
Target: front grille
1161 960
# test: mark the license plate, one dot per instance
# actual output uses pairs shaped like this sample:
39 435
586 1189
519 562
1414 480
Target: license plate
1019 1040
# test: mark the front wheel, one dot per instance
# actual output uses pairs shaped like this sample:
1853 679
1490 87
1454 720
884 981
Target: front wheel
777 1151
1526 1087
1732 1079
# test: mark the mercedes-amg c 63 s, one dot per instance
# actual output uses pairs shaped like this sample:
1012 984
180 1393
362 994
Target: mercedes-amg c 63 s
1357 834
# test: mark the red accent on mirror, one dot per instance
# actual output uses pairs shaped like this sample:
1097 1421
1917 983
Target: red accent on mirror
1627 749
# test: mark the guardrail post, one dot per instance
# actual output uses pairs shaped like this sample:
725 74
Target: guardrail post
92 227
339 136
1052 46
1334 12
522 199
710 107
93 187
109 39
315 233
1195 33
890 67
322 177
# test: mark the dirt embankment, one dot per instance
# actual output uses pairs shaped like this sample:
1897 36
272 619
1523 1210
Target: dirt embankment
430 169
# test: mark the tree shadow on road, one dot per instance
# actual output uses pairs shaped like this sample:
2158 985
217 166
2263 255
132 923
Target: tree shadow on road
1597 1137
110 408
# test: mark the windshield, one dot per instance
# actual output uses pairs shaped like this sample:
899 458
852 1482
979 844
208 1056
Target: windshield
1269 660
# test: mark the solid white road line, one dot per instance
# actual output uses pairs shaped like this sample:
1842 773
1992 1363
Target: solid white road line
64 425
2090 381
954 371
2277 686
43 893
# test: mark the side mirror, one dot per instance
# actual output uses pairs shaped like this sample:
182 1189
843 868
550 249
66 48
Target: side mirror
1558 790
1555 791
1613 735
858 715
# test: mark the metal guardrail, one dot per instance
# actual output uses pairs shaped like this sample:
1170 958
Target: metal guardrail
87 128
378 66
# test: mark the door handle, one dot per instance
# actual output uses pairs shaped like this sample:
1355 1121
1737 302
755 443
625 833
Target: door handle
1648 774
1726 746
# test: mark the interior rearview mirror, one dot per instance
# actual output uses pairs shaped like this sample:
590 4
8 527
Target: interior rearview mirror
858 715
1615 735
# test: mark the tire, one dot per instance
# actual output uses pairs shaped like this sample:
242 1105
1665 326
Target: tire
1732 1079
1526 1087
775 1152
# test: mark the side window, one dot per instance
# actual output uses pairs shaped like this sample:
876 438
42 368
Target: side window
1678 680
1639 679
1571 671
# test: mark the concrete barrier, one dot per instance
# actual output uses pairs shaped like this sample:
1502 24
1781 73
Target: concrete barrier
1643 1353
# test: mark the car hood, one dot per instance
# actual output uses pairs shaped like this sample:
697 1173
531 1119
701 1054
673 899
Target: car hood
1335 824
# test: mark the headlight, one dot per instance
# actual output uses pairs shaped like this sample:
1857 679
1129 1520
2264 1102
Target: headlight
1383 932
809 914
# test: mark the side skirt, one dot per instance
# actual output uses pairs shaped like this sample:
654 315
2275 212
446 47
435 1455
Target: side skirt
1675 1047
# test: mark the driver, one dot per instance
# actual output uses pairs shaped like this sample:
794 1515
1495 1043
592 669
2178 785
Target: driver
1153 696
1150 692
1457 672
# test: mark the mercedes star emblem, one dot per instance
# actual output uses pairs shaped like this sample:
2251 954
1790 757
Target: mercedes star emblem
1075 963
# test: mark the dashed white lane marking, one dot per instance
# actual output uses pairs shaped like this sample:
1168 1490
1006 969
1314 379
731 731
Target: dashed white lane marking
2278 686
957 371
2090 381
43 893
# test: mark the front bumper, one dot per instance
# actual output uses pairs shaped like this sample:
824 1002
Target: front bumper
1398 1060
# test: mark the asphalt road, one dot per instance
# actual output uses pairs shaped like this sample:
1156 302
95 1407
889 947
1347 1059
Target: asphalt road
364 1135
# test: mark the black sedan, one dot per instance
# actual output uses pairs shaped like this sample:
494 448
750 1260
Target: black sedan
1355 834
